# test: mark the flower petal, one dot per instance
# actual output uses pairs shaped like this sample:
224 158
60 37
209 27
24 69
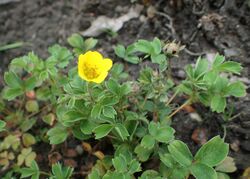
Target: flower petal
101 77
107 64
93 56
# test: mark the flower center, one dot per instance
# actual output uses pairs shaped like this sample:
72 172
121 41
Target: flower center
91 71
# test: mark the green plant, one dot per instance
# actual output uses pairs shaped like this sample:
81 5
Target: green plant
11 46
133 114
57 172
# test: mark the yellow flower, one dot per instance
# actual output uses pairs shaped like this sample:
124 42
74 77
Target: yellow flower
93 67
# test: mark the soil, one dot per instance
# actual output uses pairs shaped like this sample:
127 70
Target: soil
205 27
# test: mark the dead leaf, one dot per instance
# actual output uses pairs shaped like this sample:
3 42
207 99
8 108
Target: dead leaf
54 158
188 108
235 145
246 173
102 23
70 163
99 155
227 166
199 136
71 153
87 147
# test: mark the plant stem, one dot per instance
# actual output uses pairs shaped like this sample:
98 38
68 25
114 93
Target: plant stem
225 132
169 70
179 108
44 173
144 102
90 92
171 99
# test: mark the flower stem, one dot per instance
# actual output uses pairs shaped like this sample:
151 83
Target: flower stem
44 173
90 92
171 99
179 108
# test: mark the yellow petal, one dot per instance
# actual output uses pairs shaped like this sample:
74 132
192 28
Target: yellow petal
81 67
93 56
107 64
100 78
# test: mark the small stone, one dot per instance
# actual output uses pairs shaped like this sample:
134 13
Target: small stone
235 145
79 149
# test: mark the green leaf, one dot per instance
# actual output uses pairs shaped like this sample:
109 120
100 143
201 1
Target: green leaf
2 125
143 153
209 77
122 131
201 67
73 116
159 59
144 46
112 175
26 156
89 44
30 83
161 133
32 171
213 152
230 66
125 89
179 172
148 141
218 103
165 134
61 55
113 86
32 106
20 62
49 119
120 51
57 134
202 171
77 133
220 84
12 93
237 89
12 80
60 172
167 159
96 111
102 130
156 44
219 59
76 41
134 167
132 59
28 139
87 126
180 153
109 100
27 124
109 111
120 163
43 94
149 174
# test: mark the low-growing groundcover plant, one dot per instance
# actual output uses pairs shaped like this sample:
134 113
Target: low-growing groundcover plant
54 100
